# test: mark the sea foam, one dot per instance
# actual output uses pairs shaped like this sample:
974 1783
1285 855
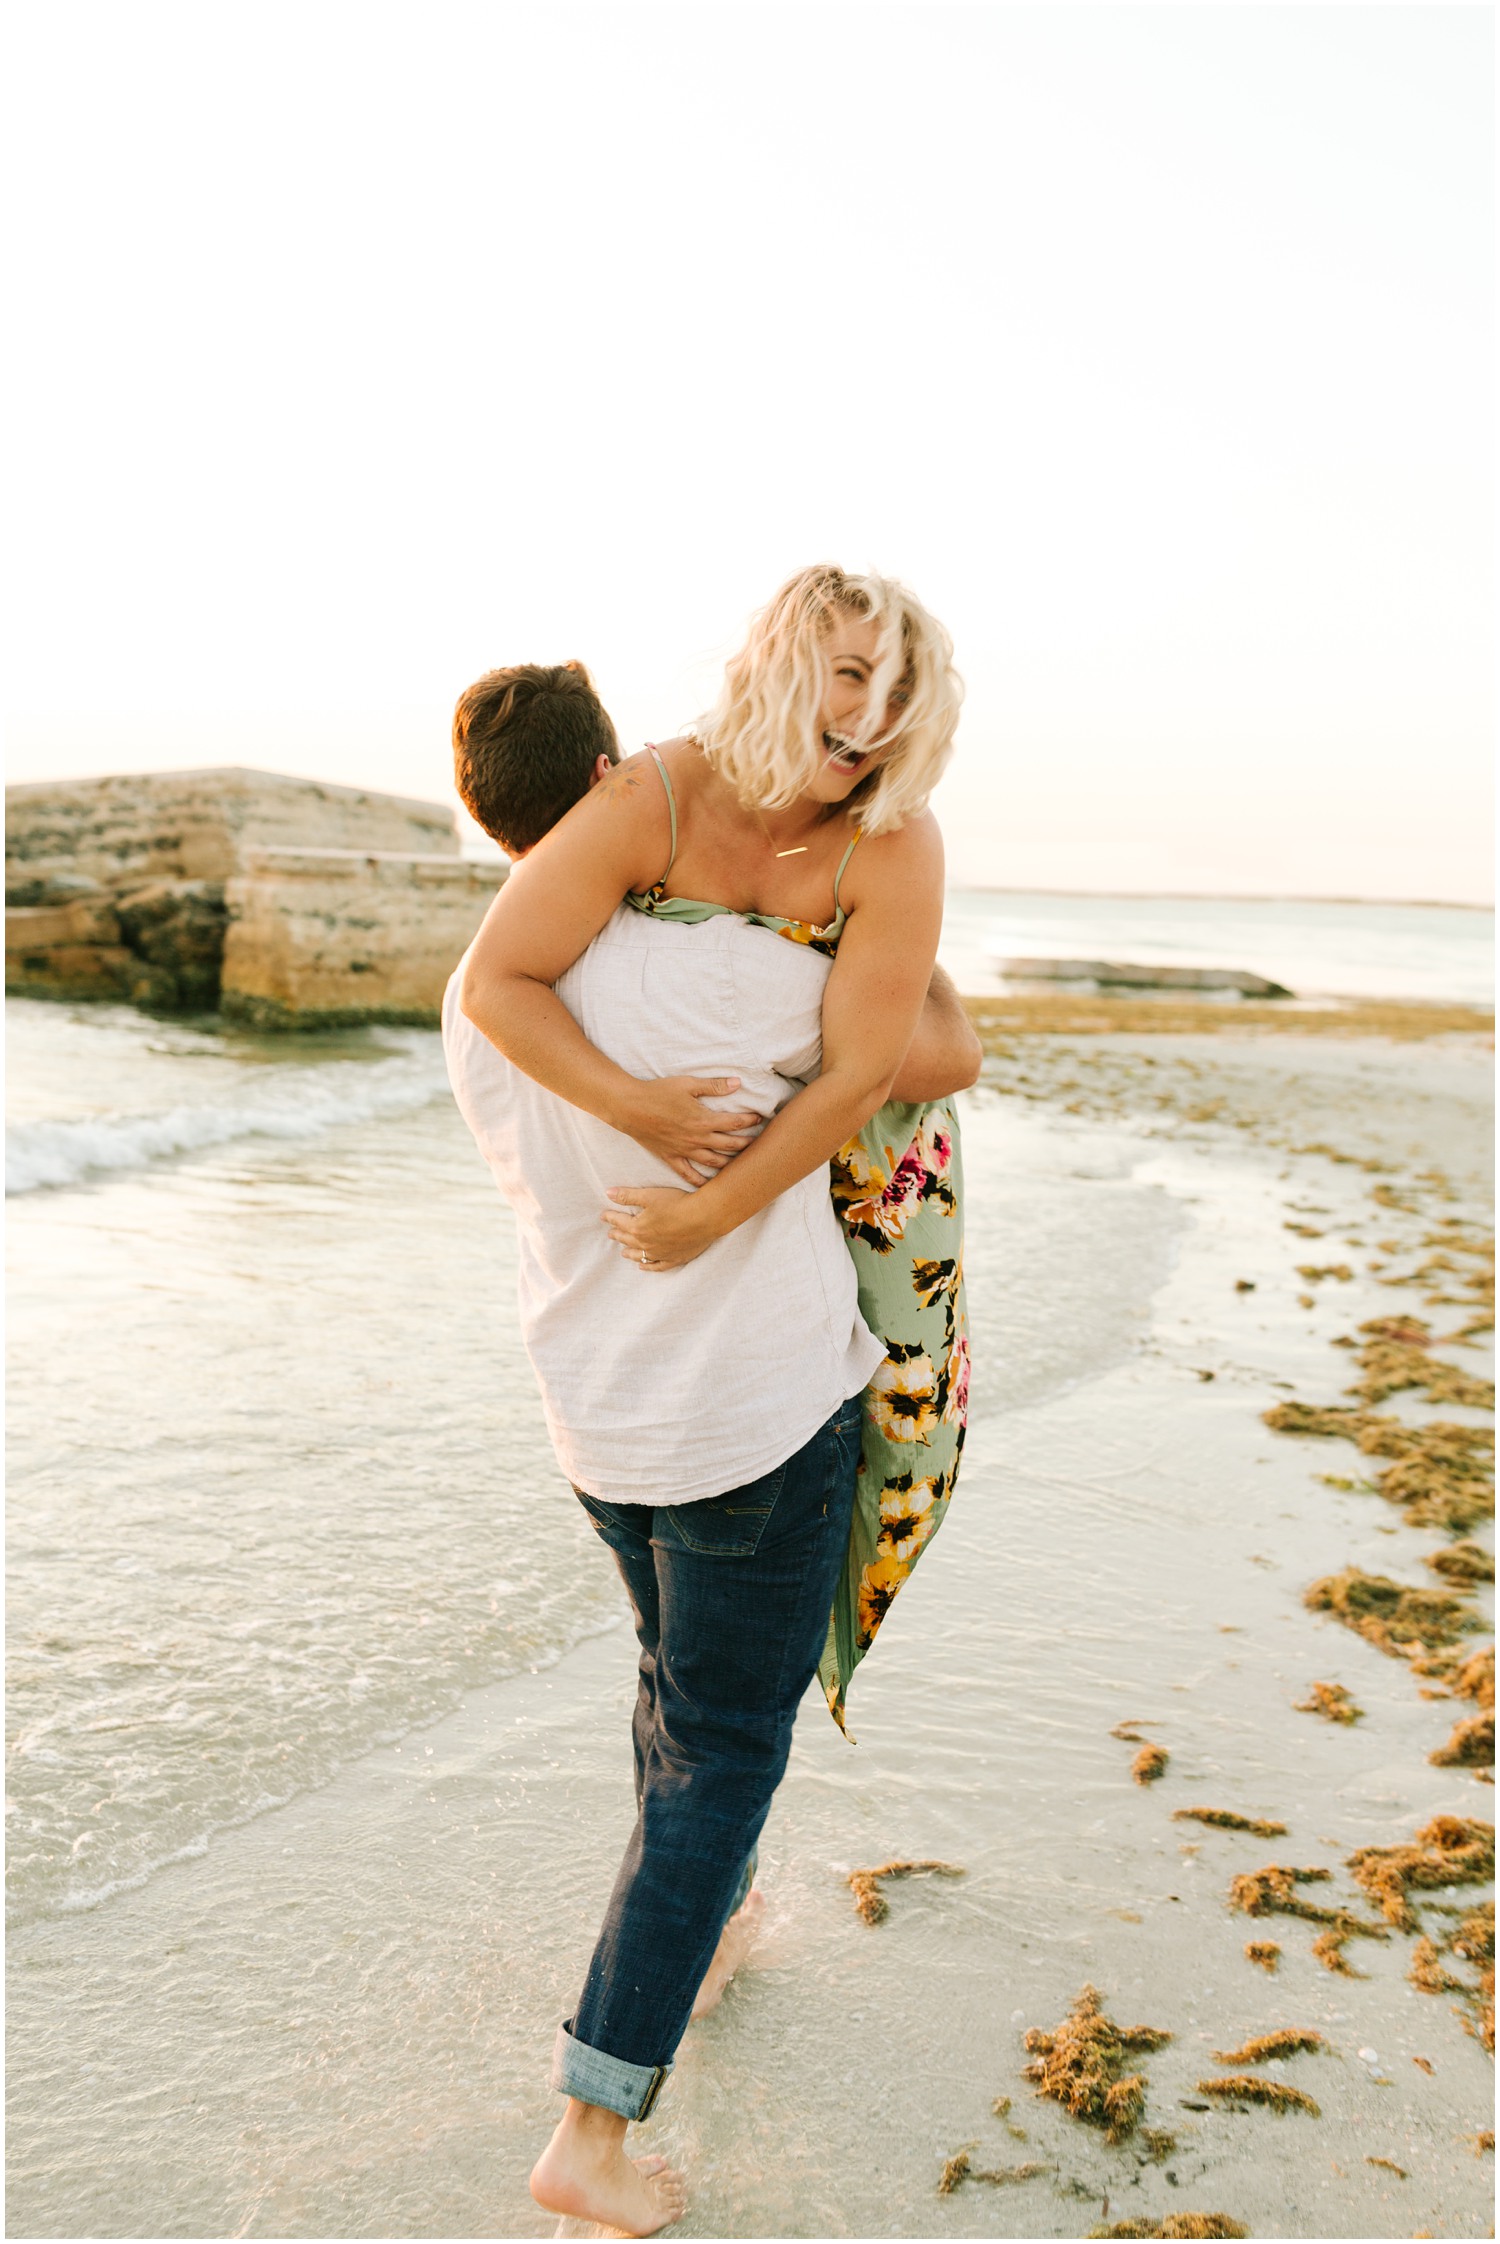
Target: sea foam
291 1102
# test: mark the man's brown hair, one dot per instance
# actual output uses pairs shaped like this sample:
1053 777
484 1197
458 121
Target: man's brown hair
525 742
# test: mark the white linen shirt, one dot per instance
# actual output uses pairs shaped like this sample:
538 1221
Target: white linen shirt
665 1387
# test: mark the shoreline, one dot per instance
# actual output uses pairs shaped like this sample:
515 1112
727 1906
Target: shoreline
1397 1020
1210 896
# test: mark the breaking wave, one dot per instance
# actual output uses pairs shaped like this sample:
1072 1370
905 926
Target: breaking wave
296 1102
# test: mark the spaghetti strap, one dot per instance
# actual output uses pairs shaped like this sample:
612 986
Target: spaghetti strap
843 862
666 780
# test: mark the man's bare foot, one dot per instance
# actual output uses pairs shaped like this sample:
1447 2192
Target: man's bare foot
585 2175
734 1946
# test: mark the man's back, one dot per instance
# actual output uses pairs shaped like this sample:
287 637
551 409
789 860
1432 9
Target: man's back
666 1387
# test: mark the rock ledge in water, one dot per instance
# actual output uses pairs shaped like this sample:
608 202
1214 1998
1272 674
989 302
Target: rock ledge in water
1115 974
290 902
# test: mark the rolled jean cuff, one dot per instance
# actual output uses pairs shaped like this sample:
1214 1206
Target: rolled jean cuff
594 2077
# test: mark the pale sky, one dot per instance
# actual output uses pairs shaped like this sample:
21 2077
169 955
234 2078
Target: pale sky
360 349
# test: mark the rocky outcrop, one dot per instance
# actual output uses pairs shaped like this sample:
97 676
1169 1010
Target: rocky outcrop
1106 973
157 889
126 831
321 937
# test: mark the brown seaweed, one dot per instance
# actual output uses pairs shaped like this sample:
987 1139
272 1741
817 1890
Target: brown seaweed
1249 2088
1332 1701
1286 2042
1273 1891
871 1902
1080 2065
1451 1850
1266 1953
1463 1562
1396 1356
1260 1892
1441 1474
955 2171
1149 1764
960 2168
1473 1942
1471 1746
1427 1970
1328 1950
1390 2166
1177 2224
1394 1618
1222 1819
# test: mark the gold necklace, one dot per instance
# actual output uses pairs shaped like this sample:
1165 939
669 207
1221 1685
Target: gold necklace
801 849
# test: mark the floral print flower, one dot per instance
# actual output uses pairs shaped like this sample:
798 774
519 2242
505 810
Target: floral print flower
907 1515
903 1399
877 1588
956 1408
934 1281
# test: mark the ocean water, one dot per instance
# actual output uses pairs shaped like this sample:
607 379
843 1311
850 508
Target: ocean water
1314 950
319 1684
280 1489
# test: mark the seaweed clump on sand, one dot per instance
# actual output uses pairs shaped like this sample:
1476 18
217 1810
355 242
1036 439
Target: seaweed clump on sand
1177 2224
1273 1892
1332 1701
871 1902
1396 1619
1472 1745
1262 1893
1222 1819
1081 2065
1463 1562
960 2168
1472 1941
1259 2051
1472 1289
1151 1762
1396 1356
1442 1474
1248 2088
1266 1953
1451 1850
1468 1675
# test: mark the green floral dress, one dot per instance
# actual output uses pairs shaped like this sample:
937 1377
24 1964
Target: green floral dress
898 1190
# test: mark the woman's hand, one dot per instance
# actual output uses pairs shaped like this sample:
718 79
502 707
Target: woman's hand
657 1226
667 1116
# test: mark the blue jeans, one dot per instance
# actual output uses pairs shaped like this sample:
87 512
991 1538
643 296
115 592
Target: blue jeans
731 1598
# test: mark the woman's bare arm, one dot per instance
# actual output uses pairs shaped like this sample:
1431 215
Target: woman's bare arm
546 915
944 1055
870 1008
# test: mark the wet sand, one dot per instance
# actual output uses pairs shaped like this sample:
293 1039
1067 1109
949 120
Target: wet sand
339 2024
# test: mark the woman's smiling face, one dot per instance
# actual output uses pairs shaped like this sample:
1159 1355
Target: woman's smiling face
851 651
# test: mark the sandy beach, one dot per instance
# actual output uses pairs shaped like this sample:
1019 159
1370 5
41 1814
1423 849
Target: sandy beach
332 2018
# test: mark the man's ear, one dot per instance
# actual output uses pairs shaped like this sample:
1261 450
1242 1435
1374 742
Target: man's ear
602 769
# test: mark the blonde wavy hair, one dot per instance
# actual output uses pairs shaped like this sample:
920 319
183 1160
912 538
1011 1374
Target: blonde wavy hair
763 733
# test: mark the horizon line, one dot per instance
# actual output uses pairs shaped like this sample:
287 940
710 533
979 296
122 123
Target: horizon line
1212 896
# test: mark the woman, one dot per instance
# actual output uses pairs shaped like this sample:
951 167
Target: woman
802 806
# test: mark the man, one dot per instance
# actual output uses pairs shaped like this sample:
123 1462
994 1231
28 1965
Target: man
709 1421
